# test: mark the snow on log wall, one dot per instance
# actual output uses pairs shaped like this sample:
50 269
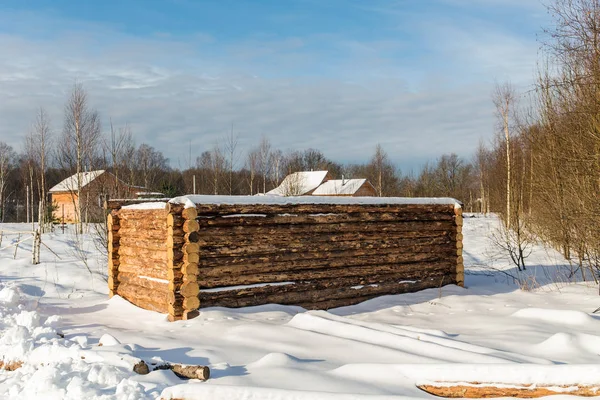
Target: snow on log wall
317 256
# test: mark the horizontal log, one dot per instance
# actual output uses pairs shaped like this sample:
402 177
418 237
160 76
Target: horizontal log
323 219
146 269
372 273
148 245
138 256
286 232
381 244
143 297
335 258
144 234
338 228
283 238
311 295
139 280
126 215
224 209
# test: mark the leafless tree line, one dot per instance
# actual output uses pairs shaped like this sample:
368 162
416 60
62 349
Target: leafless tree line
542 173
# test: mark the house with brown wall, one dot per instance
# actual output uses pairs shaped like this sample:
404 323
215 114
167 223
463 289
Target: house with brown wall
96 187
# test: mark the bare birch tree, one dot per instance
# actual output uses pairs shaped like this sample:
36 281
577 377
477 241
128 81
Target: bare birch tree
504 100
81 135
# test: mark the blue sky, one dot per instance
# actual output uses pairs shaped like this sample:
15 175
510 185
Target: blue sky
337 75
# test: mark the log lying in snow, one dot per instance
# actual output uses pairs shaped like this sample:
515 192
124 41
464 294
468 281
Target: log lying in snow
183 371
11 365
489 391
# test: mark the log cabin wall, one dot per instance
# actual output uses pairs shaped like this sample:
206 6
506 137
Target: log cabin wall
175 260
321 256
138 257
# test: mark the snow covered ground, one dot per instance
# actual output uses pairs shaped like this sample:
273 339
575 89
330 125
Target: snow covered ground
490 331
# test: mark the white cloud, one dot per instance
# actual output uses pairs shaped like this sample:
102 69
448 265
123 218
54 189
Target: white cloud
173 91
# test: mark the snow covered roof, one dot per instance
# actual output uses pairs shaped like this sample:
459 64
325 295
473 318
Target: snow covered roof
191 200
70 184
340 187
299 183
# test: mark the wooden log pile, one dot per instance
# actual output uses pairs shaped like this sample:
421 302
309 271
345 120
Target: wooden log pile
317 256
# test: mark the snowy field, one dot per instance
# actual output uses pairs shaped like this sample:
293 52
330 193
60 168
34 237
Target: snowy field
540 331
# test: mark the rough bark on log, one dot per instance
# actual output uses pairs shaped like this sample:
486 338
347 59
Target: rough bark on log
373 272
309 295
322 219
191 371
214 267
282 236
337 258
293 246
477 390
225 209
333 228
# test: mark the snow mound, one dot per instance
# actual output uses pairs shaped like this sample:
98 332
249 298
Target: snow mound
561 317
52 367
571 343
201 391
108 340
276 360
9 296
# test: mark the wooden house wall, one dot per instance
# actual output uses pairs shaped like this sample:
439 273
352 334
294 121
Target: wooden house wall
312 255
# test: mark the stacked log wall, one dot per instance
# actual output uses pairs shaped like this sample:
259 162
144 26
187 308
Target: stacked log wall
317 256
142 272
322 256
